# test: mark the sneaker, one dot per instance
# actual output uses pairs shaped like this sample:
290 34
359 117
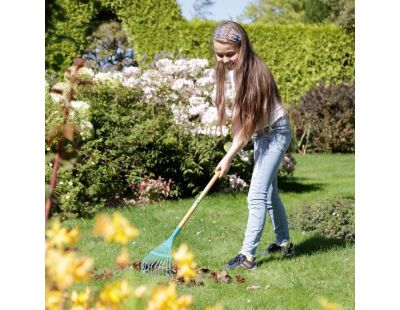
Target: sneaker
242 261
286 249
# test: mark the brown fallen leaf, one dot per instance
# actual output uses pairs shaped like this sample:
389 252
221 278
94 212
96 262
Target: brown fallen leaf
224 277
202 270
104 275
72 249
192 282
213 275
137 265
253 287
239 279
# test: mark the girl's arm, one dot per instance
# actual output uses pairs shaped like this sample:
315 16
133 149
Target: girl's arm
237 144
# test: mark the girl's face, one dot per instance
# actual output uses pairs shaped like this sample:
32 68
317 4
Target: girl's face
226 53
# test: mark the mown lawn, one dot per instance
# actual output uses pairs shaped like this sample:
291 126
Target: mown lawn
321 267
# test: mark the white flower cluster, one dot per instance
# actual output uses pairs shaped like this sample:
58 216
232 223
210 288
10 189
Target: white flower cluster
186 85
78 110
236 183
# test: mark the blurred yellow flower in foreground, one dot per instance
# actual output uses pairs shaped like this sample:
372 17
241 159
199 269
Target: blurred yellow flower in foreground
123 259
113 295
326 305
116 229
139 291
184 262
166 298
60 237
80 301
63 268
54 300
216 307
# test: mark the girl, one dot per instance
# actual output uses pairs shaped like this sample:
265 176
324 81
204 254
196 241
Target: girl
258 113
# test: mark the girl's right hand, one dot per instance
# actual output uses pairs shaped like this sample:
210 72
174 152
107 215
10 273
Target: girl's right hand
223 166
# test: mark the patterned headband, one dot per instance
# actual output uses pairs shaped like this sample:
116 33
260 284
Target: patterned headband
227 33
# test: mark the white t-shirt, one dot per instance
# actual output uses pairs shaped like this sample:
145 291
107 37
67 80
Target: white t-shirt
230 91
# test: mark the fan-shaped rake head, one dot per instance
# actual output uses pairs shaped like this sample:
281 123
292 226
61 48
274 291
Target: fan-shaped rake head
159 260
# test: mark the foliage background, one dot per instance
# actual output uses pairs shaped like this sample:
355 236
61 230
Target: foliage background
299 55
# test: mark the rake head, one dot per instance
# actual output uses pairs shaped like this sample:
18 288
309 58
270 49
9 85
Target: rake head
159 260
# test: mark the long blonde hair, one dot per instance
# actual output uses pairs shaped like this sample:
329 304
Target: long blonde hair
256 90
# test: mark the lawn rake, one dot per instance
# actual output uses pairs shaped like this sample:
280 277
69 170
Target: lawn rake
160 260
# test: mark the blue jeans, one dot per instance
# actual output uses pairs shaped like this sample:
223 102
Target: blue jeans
269 149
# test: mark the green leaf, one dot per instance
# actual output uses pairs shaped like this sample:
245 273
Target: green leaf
227 146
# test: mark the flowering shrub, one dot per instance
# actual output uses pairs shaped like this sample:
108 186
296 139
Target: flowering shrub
110 49
144 124
236 183
152 190
287 165
185 85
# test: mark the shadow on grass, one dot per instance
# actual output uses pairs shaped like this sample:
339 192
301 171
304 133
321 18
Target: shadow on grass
295 185
308 247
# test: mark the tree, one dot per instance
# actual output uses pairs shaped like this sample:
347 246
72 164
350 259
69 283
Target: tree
201 7
274 11
342 13
316 11
304 11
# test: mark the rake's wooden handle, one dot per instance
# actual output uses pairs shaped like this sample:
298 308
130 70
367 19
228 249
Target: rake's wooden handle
196 203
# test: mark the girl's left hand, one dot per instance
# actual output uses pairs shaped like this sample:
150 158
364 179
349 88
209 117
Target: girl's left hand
223 166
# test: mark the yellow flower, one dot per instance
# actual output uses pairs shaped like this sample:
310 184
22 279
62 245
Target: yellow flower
184 302
182 255
124 231
187 272
63 268
114 294
122 259
81 268
58 267
139 291
116 229
104 228
80 301
54 300
165 298
184 262
326 305
60 237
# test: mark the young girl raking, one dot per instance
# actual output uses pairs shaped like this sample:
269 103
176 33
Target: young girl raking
258 114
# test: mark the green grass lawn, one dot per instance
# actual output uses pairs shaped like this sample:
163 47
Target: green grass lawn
321 267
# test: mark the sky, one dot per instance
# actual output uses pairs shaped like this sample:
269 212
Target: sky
221 10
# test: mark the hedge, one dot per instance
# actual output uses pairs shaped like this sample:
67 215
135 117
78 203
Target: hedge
300 56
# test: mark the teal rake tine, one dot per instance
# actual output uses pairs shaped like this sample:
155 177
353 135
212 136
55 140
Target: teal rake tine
160 260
